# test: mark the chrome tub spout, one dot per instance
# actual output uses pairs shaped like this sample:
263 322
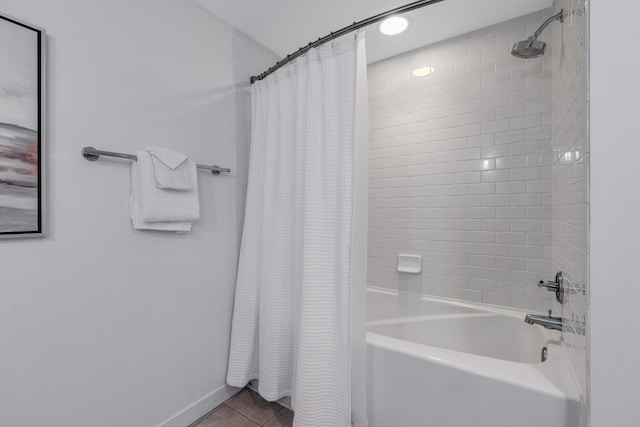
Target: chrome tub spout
548 322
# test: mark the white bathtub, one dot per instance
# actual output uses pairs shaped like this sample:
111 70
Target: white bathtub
439 363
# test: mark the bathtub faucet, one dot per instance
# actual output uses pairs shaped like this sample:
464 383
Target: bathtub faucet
548 322
556 323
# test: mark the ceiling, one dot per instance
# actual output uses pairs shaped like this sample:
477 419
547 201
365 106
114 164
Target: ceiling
285 25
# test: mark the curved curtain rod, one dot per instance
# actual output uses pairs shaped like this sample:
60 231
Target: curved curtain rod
353 27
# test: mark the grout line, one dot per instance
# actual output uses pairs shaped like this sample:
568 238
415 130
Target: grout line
273 416
243 415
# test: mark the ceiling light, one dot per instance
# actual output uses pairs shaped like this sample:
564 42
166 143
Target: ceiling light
422 72
394 25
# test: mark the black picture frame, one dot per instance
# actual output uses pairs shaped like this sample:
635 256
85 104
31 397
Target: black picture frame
22 129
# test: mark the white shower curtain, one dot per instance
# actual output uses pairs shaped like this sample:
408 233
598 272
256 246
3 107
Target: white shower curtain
292 321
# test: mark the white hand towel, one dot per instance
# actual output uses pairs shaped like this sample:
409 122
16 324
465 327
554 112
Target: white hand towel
170 168
158 204
136 208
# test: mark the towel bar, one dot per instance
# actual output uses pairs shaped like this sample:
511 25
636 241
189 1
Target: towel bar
93 154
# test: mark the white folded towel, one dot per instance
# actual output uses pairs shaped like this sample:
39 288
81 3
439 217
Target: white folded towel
136 209
170 169
155 208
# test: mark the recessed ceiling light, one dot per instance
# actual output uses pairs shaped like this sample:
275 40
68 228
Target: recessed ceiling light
422 72
394 25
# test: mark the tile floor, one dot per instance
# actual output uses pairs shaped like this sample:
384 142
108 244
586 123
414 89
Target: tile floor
247 409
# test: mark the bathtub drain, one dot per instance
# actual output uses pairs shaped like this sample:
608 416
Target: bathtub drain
543 354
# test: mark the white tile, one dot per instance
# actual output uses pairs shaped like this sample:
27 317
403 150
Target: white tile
511 288
525 122
495 77
510 111
526 303
482 284
526 174
482 92
496 200
536 107
481 140
484 261
496 225
472 57
508 62
528 95
511 263
539 239
497 101
482 212
510 137
513 85
495 299
496 126
482 68
511 162
467 154
495 175
533 226
454 121
469 271
483 188
482 236
525 148
469 248
538 133
467 177
460 168
456 74
468 83
511 212
481 164
494 151
496 274
527 199
468 130
468 107
481 116
525 70
468 200
511 238
539 265
498 250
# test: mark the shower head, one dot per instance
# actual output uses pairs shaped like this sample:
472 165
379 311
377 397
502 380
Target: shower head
532 47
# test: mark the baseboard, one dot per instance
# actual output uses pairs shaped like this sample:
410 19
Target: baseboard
200 408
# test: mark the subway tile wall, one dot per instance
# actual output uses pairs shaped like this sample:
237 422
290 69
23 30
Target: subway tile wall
570 178
460 169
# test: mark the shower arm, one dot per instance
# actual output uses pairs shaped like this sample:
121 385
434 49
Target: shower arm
557 17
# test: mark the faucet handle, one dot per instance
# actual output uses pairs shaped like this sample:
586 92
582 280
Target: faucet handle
552 286
557 287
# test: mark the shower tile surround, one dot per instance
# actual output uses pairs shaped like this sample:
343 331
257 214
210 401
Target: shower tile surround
570 179
460 169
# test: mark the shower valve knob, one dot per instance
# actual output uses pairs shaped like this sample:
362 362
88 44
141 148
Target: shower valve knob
557 287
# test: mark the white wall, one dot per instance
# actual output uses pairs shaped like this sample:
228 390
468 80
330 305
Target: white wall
101 325
460 169
615 209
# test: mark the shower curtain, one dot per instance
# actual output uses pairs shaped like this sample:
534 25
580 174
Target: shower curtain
294 329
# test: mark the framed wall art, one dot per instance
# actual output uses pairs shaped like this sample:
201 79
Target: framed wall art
22 77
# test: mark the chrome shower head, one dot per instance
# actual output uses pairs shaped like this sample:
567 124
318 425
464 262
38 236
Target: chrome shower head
532 47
